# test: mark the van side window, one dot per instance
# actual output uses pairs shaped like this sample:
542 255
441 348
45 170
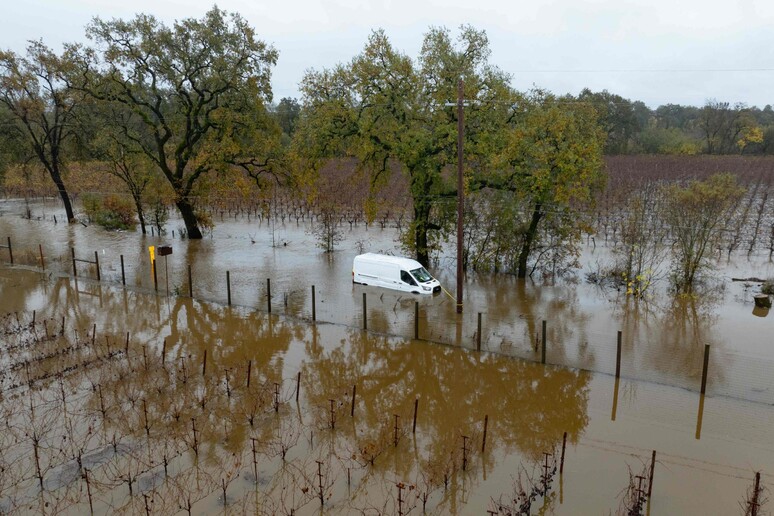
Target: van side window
406 277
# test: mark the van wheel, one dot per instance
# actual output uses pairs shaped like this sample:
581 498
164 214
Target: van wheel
414 292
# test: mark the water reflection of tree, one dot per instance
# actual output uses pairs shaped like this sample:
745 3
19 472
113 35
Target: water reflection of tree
670 338
233 337
144 406
520 306
529 406
116 312
17 288
687 326
176 391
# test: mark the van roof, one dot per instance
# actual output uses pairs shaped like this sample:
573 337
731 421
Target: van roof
404 263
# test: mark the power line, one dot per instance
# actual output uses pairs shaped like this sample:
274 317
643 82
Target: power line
646 70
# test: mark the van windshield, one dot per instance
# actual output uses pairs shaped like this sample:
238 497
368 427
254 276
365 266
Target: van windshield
421 275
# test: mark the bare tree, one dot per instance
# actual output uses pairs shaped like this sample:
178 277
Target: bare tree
327 230
42 105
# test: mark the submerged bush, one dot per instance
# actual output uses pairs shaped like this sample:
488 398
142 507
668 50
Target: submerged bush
111 212
91 206
117 213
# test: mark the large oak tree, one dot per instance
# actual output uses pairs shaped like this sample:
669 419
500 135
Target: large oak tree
384 108
552 161
196 93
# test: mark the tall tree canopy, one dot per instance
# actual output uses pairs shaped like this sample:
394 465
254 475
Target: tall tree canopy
552 160
11 141
384 108
41 107
195 92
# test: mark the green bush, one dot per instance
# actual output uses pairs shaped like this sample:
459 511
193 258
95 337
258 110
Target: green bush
116 213
91 206
111 212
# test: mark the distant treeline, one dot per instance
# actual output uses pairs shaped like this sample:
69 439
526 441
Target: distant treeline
634 128
715 128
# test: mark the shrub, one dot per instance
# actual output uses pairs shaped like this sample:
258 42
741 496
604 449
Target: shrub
91 206
111 212
116 213
696 215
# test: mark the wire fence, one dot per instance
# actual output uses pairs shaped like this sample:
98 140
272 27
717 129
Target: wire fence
138 418
667 358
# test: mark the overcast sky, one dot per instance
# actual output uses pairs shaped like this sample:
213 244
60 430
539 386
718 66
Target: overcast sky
657 51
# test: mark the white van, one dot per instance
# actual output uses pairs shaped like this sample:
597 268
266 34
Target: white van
381 270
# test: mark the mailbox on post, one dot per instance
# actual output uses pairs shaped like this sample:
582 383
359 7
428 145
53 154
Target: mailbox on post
165 250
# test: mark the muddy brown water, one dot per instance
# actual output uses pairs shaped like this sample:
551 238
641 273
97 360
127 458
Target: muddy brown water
706 450
663 339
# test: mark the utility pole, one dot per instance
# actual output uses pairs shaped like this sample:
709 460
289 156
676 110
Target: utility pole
460 192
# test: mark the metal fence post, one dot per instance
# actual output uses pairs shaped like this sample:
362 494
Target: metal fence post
96 262
365 317
123 271
478 333
416 320
704 370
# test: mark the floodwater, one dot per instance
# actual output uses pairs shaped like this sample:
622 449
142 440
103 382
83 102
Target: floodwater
167 422
663 339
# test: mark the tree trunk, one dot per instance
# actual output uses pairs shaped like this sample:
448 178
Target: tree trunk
57 178
529 239
191 223
140 214
421 227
